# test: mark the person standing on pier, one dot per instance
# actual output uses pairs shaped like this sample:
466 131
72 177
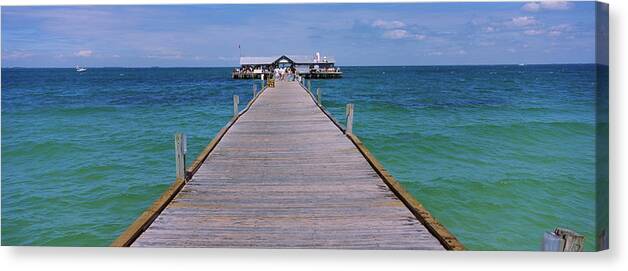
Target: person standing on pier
276 73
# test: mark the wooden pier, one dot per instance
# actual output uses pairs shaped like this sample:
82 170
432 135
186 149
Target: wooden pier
284 174
315 75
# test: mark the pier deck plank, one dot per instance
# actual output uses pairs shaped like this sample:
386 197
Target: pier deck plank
284 176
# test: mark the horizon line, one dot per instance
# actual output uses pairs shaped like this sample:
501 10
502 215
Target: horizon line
401 65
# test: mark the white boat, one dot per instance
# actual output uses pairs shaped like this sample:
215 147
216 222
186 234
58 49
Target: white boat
79 69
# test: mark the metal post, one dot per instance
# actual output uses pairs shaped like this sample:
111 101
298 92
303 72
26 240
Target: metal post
180 148
236 101
349 114
309 85
254 90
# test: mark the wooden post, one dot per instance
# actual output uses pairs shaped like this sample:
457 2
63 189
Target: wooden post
551 242
564 240
602 240
318 95
349 113
574 242
254 90
236 101
180 147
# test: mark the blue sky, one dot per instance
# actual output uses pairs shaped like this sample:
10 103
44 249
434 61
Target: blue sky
356 34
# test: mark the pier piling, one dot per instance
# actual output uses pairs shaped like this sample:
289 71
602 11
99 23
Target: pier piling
318 95
180 150
236 101
563 240
349 114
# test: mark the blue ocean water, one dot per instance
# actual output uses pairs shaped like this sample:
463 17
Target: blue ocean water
499 154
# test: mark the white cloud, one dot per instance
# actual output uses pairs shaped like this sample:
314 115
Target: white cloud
396 34
558 30
388 24
561 27
532 7
546 5
84 53
553 31
449 52
534 32
396 30
489 29
16 54
556 5
523 21
420 37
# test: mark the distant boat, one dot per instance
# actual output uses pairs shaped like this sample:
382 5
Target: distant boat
521 64
79 69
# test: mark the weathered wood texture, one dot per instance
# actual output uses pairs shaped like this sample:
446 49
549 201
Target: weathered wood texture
285 176
349 114
318 96
179 147
236 102
142 222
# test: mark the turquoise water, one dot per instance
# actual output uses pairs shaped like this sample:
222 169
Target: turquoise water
499 154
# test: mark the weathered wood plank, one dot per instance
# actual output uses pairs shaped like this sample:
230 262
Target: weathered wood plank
179 150
148 216
284 176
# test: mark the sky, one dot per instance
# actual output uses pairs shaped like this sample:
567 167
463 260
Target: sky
355 34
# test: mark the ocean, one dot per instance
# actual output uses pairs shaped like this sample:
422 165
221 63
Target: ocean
498 154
